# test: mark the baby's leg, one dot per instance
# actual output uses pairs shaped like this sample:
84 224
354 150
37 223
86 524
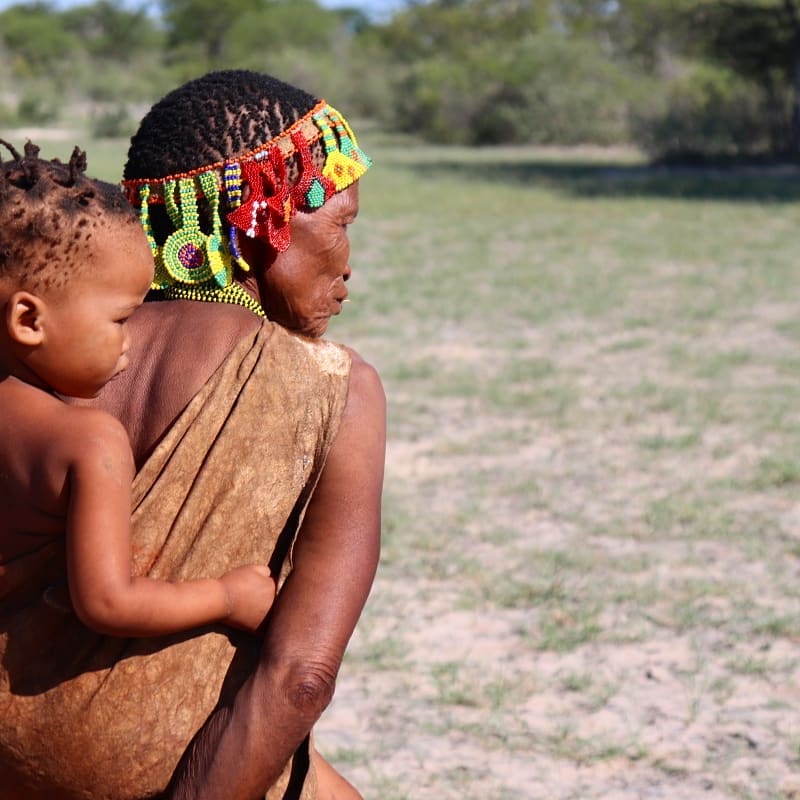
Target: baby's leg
332 786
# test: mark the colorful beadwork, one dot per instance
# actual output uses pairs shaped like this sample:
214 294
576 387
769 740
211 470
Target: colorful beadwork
210 293
184 254
346 162
198 264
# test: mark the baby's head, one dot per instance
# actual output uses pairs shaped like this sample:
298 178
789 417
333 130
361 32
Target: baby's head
50 213
74 264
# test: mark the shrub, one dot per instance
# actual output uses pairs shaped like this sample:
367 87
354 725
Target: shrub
37 108
708 112
113 123
543 89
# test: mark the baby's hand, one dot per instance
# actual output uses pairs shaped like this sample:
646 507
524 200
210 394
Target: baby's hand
251 592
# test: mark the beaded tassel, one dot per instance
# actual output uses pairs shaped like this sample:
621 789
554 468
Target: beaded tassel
232 180
218 259
341 166
160 275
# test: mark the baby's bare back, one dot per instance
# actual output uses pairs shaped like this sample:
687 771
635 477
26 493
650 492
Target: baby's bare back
40 437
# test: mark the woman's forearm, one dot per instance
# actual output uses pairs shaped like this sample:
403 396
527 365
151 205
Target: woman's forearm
244 747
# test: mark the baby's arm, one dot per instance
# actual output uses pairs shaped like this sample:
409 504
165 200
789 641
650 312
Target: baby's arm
104 594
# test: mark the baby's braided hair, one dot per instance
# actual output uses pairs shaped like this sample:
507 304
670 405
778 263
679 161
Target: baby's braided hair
214 118
49 212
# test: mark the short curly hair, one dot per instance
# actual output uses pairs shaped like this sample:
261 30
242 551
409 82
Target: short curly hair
49 212
214 118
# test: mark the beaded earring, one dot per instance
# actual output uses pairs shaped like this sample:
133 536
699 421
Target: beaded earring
189 255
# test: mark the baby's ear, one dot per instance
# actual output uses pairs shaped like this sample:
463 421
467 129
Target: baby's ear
24 313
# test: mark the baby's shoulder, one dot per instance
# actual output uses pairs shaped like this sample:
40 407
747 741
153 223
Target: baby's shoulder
50 431
91 432
44 445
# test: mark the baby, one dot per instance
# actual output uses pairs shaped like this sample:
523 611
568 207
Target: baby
74 265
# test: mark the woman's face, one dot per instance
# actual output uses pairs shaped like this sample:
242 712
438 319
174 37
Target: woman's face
304 286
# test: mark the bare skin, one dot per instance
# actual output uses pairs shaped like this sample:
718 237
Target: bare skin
242 749
68 470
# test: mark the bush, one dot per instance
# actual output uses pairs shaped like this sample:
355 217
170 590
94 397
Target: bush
113 123
437 100
543 89
8 117
37 108
707 113
556 90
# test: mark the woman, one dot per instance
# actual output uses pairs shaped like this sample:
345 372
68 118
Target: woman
246 187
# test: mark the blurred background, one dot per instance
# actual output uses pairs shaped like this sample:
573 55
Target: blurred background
678 79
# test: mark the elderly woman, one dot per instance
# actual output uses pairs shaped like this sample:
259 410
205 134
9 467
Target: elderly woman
253 444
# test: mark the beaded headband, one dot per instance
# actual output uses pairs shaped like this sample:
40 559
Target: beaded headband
198 265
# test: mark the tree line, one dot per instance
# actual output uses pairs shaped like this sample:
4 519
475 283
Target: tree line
679 78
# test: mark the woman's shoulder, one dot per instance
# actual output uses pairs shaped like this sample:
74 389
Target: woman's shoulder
328 356
203 320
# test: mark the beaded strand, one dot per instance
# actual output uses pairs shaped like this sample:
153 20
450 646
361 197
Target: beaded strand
205 293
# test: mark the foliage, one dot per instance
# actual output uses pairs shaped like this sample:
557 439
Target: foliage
760 41
202 26
257 40
526 84
38 43
456 28
679 77
755 38
113 122
708 112
109 31
37 107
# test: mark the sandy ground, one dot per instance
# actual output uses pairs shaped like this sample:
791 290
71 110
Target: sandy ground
622 624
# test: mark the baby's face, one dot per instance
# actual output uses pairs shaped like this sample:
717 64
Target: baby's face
86 340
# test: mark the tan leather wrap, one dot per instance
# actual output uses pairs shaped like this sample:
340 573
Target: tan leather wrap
89 716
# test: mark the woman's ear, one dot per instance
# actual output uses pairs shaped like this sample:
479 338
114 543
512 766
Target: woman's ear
24 312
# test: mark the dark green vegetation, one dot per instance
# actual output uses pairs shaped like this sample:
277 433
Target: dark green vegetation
699 79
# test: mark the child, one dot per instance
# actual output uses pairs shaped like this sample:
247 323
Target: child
74 265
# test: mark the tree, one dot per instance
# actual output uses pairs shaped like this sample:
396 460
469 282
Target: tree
34 36
494 71
204 24
110 30
760 40
454 28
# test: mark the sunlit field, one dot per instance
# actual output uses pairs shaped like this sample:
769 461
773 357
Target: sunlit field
589 582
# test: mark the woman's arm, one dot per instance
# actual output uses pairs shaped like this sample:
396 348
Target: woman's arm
104 594
243 748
